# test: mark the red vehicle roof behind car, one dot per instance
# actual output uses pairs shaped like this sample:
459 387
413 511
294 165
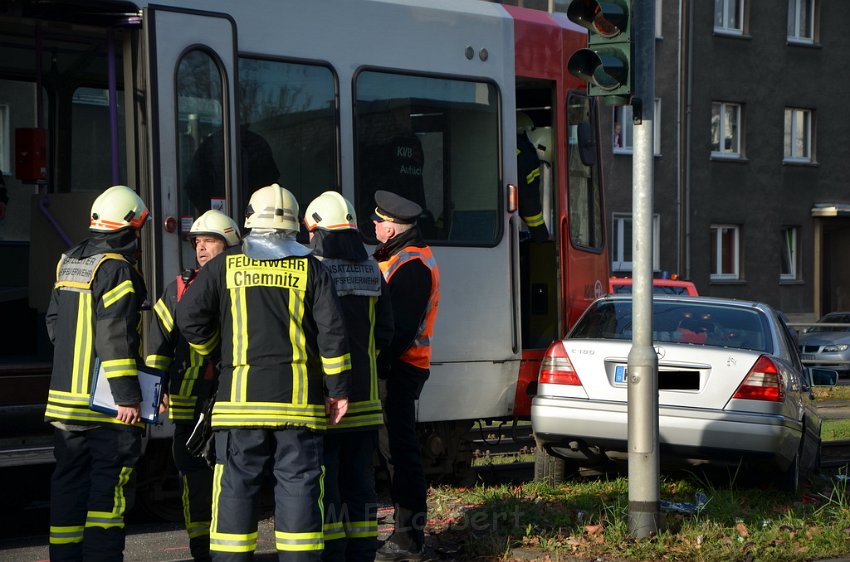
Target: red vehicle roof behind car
623 285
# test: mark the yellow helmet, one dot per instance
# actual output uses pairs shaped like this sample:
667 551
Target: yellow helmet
272 207
541 138
117 208
330 211
216 223
524 124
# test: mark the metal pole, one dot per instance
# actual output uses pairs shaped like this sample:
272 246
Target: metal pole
644 455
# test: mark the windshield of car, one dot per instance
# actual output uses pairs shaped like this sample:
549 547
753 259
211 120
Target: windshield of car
832 319
679 322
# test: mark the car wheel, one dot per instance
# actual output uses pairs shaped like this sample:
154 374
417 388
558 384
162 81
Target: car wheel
551 469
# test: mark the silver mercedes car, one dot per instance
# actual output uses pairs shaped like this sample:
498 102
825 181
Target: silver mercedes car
731 389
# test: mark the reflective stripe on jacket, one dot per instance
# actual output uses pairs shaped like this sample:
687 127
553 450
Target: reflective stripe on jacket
419 352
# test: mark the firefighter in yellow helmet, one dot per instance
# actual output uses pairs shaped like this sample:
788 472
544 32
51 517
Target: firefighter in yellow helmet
95 313
284 378
351 525
528 175
191 377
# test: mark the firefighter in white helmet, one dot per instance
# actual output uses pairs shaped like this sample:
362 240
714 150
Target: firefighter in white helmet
351 522
191 378
528 175
284 377
95 313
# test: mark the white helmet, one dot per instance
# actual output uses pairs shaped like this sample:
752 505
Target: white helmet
330 211
117 208
216 223
272 207
524 124
541 138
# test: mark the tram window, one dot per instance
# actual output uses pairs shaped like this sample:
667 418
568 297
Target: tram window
436 142
585 193
91 143
287 115
200 143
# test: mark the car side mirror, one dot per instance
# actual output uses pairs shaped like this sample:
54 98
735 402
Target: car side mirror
821 377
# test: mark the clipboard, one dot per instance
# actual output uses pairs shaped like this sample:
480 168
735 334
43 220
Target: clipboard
103 402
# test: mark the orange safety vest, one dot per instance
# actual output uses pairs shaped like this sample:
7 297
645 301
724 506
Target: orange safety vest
419 352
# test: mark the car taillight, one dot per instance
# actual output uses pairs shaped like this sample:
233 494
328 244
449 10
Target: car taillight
763 382
556 367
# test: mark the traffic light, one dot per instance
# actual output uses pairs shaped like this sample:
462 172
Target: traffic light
606 62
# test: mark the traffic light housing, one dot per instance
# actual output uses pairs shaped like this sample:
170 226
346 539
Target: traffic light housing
606 63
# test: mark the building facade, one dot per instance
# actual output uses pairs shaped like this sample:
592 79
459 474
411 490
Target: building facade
752 173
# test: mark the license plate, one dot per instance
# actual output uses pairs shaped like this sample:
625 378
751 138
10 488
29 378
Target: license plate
620 372
807 357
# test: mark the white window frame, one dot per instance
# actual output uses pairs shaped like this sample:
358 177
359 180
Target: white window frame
798 143
619 253
796 9
790 253
726 7
733 151
5 141
717 232
623 114
658 6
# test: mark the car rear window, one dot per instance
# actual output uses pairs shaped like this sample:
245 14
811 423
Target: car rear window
679 322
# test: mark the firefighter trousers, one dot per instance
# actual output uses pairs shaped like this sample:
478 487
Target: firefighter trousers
195 493
244 459
351 516
399 445
91 489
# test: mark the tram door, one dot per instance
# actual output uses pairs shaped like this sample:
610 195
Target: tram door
191 75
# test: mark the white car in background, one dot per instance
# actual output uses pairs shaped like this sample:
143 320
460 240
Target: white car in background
731 389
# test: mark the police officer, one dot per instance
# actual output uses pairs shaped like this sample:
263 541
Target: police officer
528 172
351 526
191 377
94 312
413 278
284 377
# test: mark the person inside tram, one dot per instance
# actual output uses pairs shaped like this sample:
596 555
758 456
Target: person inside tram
528 176
205 182
393 160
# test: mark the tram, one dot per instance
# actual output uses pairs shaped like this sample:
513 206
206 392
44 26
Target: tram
197 103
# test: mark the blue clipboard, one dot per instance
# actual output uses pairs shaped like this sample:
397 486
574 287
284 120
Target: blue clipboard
103 402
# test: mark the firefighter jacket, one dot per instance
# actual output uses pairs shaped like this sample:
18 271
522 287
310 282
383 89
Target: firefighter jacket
95 312
528 170
367 309
413 279
190 374
283 341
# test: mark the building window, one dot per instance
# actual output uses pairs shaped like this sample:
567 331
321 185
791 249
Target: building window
725 251
621 242
729 16
622 136
658 4
798 135
801 21
790 254
725 125
5 141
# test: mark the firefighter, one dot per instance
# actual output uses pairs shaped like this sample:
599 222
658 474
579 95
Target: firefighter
413 279
284 377
95 312
528 172
351 526
191 377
